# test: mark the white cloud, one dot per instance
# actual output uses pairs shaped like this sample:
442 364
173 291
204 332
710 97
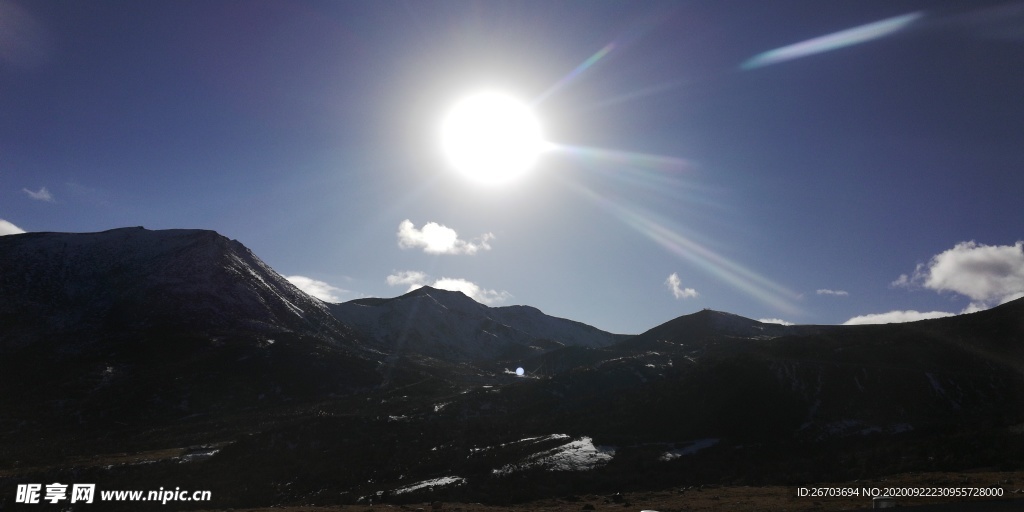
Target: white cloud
416 279
674 285
318 289
472 290
775 321
894 317
6 228
838 293
435 238
42 195
987 274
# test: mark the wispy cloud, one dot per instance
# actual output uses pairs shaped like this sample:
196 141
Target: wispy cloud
6 228
893 317
416 279
435 238
674 285
838 293
987 274
318 289
774 321
42 195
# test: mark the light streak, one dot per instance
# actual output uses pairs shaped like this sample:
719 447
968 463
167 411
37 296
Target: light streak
834 41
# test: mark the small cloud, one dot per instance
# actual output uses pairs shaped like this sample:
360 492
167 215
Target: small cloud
901 281
318 289
435 238
6 228
42 195
987 274
894 317
774 321
674 285
838 293
472 290
416 279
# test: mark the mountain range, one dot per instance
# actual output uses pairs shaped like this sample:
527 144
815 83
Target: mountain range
167 344
449 325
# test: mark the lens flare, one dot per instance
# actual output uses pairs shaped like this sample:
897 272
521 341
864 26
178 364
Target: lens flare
628 158
567 79
834 41
732 273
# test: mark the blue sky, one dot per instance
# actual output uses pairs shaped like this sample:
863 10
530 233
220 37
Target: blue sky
795 160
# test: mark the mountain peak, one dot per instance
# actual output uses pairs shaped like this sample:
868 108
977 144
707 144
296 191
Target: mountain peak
428 290
451 299
449 324
434 292
138 277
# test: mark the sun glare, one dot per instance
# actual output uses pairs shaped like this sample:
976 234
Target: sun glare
491 138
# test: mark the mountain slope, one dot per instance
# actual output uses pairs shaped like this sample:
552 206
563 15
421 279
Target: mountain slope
135 278
137 328
133 340
449 325
713 374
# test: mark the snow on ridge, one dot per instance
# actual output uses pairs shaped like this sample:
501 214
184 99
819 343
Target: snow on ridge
532 440
435 482
577 455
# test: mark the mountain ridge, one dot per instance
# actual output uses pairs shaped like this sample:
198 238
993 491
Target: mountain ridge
141 276
449 324
157 340
137 326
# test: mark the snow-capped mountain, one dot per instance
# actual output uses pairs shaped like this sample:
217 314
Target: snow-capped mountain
138 327
449 325
133 278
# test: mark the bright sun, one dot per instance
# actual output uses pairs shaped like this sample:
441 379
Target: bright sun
491 138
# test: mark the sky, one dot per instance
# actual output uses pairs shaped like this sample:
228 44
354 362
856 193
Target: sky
788 161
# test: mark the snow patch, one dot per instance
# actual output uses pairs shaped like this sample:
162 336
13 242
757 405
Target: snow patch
430 484
197 455
530 440
577 455
692 448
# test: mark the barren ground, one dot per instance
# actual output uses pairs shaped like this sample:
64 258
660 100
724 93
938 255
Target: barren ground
738 499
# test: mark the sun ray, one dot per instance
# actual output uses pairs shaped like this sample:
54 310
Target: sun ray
642 92
633 159
575 73
735 275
